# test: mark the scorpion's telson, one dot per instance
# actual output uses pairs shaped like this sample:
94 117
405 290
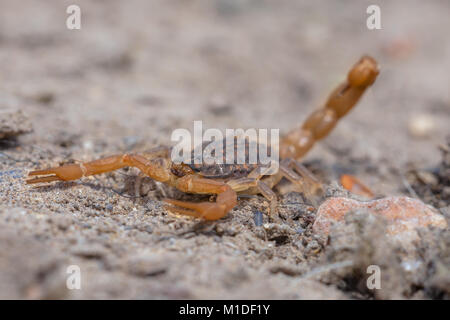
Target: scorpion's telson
226 182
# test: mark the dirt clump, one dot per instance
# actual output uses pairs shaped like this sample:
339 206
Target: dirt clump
361 249
13 122
433 186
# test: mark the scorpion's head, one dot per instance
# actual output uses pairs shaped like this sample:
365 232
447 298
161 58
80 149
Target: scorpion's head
181 169
163 169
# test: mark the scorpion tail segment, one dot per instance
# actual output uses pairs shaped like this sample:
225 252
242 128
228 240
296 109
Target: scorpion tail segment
320 123
63 173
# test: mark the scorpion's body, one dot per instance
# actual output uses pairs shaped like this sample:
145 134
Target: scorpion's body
208 168
228 179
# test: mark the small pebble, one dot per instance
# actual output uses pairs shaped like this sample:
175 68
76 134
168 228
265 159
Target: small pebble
258 218
88 145
44 97
90 251
13 122
300 230
421 126
427 178
63 223
131 142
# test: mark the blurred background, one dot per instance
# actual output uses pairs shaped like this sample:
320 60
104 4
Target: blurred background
142 68
139 69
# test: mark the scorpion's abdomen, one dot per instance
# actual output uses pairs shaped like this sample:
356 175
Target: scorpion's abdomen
241 165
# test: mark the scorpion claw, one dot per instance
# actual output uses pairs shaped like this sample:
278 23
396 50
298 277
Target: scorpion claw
43 179
206 210
186 212
63 173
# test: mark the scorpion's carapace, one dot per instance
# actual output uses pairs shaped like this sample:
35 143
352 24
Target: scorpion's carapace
238 178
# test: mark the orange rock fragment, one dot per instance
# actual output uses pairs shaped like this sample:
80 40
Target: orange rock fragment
402 213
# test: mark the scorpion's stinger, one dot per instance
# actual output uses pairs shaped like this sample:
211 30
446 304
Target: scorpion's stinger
320 123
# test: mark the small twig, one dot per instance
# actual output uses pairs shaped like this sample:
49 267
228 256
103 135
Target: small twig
408 187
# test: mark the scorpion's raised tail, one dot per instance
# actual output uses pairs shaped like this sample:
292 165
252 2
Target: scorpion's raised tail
320 123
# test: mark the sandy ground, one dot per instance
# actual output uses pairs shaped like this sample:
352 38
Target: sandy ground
139 69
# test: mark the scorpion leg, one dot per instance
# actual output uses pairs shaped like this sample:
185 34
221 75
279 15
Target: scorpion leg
225 201
268 193
301 177
313 184
320 123
75 171
306 182
254 185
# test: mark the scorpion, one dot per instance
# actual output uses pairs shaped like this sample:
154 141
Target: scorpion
227 181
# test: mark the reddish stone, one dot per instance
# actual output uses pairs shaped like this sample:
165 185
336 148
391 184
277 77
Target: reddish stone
402 213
